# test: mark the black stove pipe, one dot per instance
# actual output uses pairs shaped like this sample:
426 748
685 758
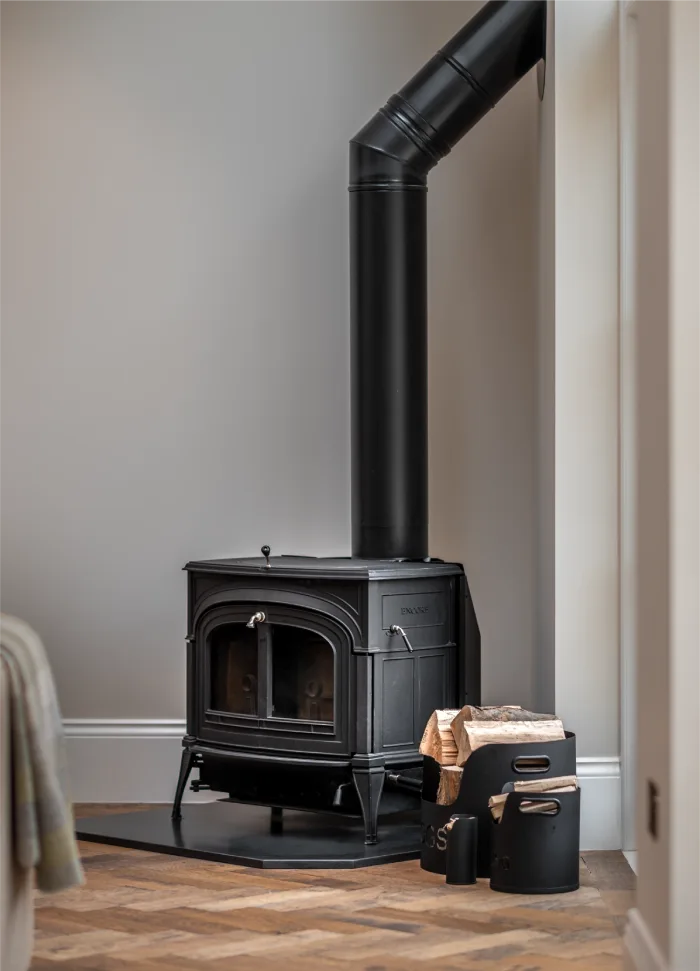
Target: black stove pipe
389 162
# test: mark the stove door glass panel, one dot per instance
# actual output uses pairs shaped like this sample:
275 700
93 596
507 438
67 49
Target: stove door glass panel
233 662
302 675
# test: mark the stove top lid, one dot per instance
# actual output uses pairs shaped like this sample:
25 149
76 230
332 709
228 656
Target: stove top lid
317 567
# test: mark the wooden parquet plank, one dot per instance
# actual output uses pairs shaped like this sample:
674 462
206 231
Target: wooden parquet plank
134 922
110 962
617 902
370 944
265 921
436 946
52 921
380 917
235 943
70 947
553 920
575 950
221 881
478 923
608 870
257 962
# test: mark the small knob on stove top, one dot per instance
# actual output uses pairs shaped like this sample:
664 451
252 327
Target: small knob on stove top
265 550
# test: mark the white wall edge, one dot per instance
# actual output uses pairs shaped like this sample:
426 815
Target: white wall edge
642 953
627 455
125 760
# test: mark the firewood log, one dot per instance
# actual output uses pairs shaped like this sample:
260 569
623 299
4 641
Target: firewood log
438 741
450 781
472 735
562 783
545 785
497 804
491 713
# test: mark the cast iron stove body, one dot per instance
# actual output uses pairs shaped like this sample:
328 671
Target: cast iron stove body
310 680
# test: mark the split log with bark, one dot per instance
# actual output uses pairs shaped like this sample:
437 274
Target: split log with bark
438 741
450 782
471 735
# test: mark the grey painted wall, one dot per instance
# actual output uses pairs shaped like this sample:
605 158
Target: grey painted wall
175 321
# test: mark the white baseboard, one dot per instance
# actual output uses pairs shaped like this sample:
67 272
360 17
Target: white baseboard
642 953
601 802
137 760
126 760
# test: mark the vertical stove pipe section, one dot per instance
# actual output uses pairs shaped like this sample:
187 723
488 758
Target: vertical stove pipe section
389 162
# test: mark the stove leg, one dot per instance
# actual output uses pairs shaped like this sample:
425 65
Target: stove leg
368 776
186 763
276 820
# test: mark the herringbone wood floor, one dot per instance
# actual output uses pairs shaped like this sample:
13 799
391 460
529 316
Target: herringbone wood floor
149 912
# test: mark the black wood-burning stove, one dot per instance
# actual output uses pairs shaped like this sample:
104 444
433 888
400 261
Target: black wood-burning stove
310 680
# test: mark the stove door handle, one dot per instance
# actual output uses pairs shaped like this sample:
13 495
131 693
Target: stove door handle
395 629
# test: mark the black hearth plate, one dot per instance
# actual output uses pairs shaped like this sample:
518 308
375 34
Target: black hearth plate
232 833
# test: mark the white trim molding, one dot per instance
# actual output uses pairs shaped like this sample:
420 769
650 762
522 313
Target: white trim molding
124 727
126 760
642 953
598 767
601 802
137 760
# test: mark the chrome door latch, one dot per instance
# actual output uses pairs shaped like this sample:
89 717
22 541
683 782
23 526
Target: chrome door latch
395 629
257 618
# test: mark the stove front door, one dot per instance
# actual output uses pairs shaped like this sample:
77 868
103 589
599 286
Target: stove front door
272 677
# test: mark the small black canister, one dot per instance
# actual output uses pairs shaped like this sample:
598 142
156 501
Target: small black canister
462 843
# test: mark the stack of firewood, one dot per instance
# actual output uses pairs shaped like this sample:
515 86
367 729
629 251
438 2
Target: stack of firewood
451 736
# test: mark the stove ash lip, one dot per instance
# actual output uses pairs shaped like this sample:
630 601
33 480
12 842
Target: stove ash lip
390 158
